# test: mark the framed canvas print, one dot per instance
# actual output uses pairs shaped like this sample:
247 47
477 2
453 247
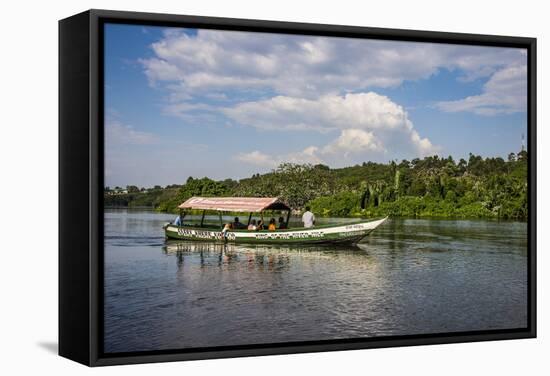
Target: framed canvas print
235 187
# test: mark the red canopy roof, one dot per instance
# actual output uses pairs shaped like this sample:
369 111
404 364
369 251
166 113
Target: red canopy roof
237 204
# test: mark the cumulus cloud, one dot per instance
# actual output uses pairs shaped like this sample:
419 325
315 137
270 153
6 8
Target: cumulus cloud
309 155
368 121
504 93
258 158
369 124
354 141
213 61
329 112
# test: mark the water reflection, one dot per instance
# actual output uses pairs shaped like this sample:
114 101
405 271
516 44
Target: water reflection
269 257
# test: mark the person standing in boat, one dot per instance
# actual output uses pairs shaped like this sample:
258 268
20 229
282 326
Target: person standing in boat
308 218
226 228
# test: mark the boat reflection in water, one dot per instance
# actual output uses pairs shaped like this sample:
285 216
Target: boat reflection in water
264 256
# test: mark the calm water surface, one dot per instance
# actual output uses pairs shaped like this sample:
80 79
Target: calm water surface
408 277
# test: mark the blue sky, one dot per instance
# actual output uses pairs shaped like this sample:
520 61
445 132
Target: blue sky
184 102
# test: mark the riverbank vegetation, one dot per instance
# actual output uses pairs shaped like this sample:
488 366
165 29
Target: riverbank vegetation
429 187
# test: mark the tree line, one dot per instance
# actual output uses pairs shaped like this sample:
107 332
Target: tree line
429 187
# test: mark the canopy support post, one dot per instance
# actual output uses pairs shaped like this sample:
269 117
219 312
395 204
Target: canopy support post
202 219
249 219
262 217
221 221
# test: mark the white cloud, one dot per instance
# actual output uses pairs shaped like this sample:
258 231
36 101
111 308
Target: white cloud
214 61
369 121
354 141
117 133
257 158
504 93
369 125
308 155
329 112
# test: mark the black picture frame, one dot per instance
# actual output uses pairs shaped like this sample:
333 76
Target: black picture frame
81 186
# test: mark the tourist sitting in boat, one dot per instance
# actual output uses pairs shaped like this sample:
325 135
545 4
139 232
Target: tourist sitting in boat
308 218
260 224
177 221
272 226
282 224
252 225
238 225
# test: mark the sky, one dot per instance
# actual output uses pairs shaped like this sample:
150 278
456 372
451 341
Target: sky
227 104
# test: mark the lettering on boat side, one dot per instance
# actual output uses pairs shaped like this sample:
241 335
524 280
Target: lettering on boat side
351 230
355 227
352 233
204 234
292 235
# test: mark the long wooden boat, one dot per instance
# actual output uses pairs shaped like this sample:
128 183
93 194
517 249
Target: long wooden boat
336 233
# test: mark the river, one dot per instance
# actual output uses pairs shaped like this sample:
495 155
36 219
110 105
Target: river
410 276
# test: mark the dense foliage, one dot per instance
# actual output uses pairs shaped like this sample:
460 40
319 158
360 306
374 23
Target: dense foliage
433 186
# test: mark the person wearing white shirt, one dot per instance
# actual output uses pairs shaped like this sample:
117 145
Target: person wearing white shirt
308 218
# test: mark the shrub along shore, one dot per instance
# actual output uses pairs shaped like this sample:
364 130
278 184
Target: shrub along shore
429 187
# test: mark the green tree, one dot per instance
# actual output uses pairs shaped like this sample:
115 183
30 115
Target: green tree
431 186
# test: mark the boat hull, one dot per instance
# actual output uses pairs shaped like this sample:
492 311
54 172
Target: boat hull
347 233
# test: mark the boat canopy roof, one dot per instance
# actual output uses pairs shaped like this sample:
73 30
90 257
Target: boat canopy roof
235 204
